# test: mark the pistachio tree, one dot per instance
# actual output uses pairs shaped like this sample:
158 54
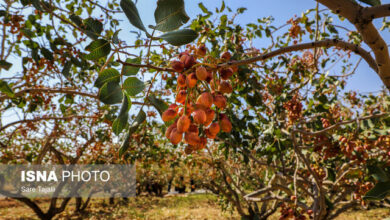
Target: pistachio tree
275 129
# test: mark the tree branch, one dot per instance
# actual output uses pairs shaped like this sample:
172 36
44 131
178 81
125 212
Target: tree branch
69 91
355 14
374 12
269 189
149 66
50 90
230 198
30 203
47 145
268 198
322 43
45 118
339 124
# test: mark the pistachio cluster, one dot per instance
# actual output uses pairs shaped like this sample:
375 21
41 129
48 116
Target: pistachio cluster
200 98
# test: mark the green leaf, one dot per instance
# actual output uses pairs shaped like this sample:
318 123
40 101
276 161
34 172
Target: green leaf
132 14
119 124
131 70
141 117
159 104
370 123
93 28
66 70
28 32
180 37
126 143
110 93
106 76
25 2
332 29
47 53
77 62
133 86
222 7
378 192
329 203
115 38
378 173
382 131
76 19
4 88
331 174
90 26
36 4
170 15
203 8
5 65
372 2
98 48
60 41
121 121
34 55
241 10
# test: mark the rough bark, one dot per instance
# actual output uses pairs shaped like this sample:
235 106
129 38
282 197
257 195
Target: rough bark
362 19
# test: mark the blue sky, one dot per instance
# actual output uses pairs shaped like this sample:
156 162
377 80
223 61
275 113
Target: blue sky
364 80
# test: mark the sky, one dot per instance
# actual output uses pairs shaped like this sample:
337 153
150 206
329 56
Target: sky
364 80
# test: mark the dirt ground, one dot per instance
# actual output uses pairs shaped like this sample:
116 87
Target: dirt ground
200 206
